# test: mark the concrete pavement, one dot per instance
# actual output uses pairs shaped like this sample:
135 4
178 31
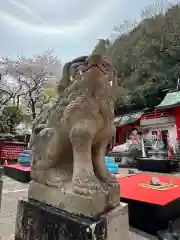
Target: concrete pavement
12 192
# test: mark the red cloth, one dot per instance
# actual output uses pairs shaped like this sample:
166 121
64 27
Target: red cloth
5 163
169 153
178 122
130 189
20 167
170 148
135 134
159 136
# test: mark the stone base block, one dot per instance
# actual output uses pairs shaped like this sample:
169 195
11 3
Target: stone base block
74 203
36 220
1 187
117 223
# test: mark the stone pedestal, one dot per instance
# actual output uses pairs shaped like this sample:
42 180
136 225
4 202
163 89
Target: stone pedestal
66 200
1 187
36 220
117 223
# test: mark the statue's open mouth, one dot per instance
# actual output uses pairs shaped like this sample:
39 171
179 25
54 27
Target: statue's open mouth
92 64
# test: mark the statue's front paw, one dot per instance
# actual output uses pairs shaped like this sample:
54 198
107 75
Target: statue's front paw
86 184
112 182
56 177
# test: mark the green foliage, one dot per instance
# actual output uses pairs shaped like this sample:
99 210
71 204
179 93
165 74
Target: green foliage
147 60
101 47
10 117
50 94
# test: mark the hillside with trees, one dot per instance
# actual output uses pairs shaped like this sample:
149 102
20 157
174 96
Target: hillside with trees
147 60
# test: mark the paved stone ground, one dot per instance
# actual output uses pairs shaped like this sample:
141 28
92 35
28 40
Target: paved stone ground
12 191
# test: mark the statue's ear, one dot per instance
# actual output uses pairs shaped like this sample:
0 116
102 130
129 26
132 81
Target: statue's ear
77 65
86 62
69 70
81 59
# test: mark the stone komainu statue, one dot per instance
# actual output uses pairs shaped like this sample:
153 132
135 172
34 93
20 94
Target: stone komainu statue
69 141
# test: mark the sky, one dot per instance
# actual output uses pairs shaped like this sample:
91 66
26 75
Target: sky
70 27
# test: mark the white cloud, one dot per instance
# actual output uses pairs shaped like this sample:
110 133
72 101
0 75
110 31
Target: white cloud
25 9
70 27
41 26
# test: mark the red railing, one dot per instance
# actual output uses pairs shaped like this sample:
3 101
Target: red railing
157 114
11 150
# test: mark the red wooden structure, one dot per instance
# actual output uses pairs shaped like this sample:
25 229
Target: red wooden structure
158 114
125 124
11 150
169 107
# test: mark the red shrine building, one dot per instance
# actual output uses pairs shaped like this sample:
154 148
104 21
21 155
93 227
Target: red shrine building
165 118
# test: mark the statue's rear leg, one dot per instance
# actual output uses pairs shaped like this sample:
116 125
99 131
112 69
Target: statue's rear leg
48 167
84 180
61 168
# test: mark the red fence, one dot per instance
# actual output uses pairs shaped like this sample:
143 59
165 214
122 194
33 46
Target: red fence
11 150
157 114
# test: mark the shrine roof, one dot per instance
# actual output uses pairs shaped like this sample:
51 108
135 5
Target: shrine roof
171 99
127 119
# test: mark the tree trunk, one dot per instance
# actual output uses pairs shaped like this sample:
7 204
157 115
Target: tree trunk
33 108
18 101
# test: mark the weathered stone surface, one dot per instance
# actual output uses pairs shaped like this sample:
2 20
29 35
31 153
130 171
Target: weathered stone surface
72 202
36 220
69 141
1 187
117 223
13 190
